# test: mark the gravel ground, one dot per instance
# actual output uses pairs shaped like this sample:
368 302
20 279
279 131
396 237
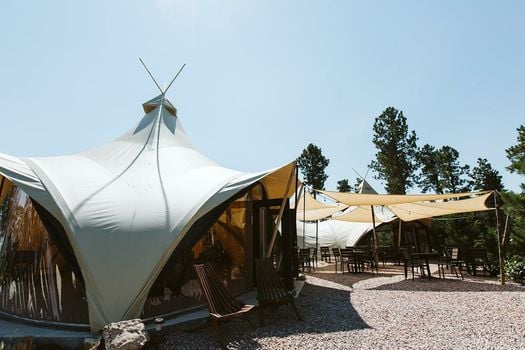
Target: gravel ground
384 311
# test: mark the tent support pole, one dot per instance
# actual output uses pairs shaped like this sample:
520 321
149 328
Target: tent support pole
280 216
501 239
376 257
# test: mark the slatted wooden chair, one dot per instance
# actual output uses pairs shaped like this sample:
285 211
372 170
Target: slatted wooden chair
270 289
221 304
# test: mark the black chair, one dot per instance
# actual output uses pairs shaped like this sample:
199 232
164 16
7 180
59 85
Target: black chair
305 260
325 254
314 258
367 259
452 259
409 261
337 257
474 258
349 259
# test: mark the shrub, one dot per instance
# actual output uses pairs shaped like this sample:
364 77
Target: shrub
515 268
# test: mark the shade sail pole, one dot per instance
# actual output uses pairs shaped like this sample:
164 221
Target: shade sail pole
501 238
304 214
376 257
399 235
281 211
316 235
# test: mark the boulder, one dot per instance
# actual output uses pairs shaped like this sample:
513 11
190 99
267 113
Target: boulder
125 335
25 343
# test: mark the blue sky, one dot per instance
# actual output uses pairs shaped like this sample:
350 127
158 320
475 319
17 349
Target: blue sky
265 78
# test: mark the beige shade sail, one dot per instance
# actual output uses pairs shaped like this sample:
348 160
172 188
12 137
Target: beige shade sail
276 182
310 209
364 214
358 199
416 211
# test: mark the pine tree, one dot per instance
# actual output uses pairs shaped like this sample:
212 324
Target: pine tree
515 202
396 151
312 164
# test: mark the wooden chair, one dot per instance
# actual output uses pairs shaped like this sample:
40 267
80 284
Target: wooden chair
270 289
221 304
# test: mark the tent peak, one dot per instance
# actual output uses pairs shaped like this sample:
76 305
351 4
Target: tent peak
157 101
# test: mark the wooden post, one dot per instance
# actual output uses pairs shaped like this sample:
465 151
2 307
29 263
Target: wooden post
279 217
376 257
316 234
501 238
304 213
399 235
416 240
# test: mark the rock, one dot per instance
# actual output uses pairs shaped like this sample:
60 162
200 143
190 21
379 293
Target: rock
125 335
91 343
25 343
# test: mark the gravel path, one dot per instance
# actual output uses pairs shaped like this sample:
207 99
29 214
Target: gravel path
383 311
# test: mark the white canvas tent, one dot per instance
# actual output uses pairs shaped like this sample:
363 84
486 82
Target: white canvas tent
332 233
126 205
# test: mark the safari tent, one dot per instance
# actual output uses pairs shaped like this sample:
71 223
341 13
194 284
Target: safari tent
111 233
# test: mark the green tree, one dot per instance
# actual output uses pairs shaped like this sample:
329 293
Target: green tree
312 164
451 171
440 170
485 178
344 186
427 159
516 155
515 202
396 151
